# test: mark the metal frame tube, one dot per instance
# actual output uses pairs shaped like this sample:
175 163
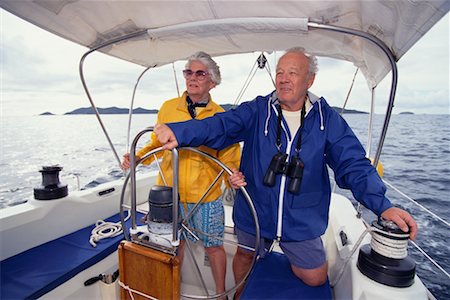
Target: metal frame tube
133 164
370 126
133 174
393 63
175 240
297 22
83 82
130 111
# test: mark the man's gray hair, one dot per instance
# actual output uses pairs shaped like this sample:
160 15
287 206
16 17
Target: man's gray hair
313 67
210 64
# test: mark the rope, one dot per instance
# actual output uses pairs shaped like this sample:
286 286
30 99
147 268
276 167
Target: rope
341 271
430 259
131 291
246 83
392 248
417 203
267 66
176 79
426 210
261 63
103 230
384 246
349 92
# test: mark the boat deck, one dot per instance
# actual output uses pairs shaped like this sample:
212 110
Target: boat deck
34 272
272 278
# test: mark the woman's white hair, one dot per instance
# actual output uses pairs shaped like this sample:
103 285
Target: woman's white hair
210 64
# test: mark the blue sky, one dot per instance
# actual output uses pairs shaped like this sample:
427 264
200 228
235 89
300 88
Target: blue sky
39 73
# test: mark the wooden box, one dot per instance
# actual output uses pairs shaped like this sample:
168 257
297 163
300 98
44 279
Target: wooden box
148 271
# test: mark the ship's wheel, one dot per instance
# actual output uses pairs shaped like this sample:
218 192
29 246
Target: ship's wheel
196 277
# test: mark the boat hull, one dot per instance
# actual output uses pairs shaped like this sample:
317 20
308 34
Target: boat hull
34 223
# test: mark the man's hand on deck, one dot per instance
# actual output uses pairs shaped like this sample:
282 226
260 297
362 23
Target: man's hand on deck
165 136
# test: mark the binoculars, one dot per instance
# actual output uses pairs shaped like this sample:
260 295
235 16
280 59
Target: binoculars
293 169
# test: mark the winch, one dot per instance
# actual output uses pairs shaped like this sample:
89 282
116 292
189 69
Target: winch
386 259
159 218
51 188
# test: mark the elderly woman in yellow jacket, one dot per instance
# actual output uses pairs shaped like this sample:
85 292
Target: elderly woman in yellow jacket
196 172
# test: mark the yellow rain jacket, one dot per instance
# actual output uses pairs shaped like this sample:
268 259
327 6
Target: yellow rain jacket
196 172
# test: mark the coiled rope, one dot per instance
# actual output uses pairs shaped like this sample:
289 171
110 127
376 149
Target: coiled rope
437 217
388 244
103 230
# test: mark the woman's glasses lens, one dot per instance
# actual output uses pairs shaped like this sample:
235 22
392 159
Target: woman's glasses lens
200 75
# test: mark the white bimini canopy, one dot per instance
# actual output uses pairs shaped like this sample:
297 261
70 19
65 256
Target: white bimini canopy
166 31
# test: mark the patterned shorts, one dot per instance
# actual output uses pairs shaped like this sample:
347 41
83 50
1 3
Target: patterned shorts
209 219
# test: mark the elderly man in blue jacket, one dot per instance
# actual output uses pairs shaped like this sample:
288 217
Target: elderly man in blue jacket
290 137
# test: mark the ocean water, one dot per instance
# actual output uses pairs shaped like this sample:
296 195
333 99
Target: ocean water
415 157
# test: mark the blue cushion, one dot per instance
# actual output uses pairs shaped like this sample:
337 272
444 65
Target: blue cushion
37 271
272 278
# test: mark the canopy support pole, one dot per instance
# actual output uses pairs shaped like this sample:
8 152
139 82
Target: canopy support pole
94 107
393 63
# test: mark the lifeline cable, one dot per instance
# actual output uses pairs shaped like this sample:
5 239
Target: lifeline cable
416 203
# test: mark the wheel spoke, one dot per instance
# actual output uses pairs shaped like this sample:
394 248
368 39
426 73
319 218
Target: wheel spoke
197 205
197 268
224 240
190 231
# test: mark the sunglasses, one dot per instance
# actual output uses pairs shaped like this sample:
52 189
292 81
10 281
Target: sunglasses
200 75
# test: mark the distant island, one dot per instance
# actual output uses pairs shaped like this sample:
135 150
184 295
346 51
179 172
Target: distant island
111 111
121 111
406 113
338 109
